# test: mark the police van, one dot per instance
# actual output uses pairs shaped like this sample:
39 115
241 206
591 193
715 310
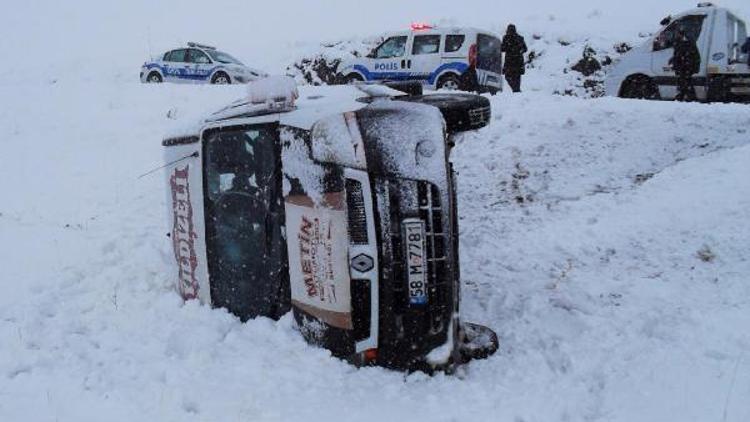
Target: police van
645 72
198 63
437 57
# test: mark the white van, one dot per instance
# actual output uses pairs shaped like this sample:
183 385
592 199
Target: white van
437 57
338 204
724 74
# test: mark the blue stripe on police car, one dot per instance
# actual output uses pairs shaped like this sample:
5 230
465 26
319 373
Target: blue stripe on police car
388 71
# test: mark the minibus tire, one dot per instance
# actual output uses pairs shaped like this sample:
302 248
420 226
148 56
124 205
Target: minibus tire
457 109
477 342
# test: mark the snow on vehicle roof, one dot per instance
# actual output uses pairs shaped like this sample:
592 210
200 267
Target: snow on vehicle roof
313 104
316 103
435 30
701 8
199 45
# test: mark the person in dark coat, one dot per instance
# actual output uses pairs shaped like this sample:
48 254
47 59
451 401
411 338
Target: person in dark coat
686 62
469 81
514 46
746 49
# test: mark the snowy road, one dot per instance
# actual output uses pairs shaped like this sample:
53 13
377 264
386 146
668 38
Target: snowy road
605 240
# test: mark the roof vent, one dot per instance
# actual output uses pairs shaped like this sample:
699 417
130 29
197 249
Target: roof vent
275 94
706 4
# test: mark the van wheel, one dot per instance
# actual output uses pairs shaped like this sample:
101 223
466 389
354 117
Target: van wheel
462 112
154 78
640 87
476 342
353 78
221 78
449 82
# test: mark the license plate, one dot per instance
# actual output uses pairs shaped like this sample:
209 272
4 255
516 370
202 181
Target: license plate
414 241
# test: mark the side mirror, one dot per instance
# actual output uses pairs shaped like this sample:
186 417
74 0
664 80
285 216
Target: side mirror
659 44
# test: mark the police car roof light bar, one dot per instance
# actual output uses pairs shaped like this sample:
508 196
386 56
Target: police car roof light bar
420 26
198 45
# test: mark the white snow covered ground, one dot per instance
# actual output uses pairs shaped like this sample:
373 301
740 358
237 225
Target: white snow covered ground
606 241
583 223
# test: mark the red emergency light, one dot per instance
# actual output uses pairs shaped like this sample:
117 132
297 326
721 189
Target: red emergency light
419 26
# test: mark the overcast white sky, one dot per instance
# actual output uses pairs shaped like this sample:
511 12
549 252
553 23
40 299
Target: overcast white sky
115 31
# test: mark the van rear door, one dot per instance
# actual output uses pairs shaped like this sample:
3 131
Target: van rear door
489 60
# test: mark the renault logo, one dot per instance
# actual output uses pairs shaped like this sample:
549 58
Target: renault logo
363 263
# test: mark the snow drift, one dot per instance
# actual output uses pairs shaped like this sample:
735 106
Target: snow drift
605 241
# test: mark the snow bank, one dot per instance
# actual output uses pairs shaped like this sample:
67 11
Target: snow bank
606 241
617 282
559 64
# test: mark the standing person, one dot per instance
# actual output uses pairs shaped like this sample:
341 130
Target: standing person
746 49
686 62
514 46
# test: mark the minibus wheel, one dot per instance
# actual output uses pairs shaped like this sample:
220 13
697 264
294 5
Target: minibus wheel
462 112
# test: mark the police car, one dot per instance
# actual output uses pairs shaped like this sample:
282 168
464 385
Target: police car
645 72
442 58
337 203
198 63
